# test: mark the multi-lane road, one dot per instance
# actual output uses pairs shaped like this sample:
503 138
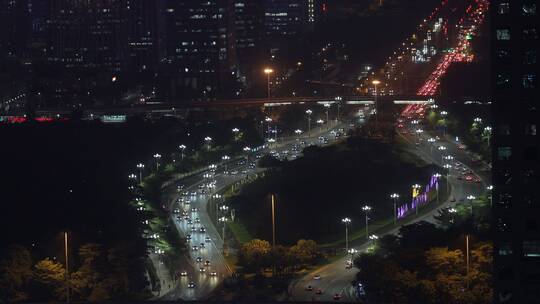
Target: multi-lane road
335 279
189 203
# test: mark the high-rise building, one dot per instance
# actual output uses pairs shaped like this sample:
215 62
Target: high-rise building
15 28
201 47
516 172
88 34
145 36
249 25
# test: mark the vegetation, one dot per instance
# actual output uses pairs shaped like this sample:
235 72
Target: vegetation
427 264
314 192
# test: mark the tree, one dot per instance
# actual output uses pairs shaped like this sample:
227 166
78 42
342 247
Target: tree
50 276
15 272
253 255
305 252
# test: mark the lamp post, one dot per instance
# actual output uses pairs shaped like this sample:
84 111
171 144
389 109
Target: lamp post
67 265
467 255
395 197
490 190
225 158
444 114
352 252
268 121
140 166
366 210
157 157
441 149
471 198
309 112
235 132
375 84
431 141
346 221
415 192
208 140
182 148
298 132
338 104
216 197
447 167
438 177
223 219
327 108
488 130
373 238
273 222
268 71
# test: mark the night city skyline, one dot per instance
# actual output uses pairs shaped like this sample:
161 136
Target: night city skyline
378 151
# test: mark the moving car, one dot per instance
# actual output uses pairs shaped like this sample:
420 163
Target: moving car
213 274
202 270
207 263
183 274
191 285
199 260
207 239
195 248
318 291
317 277
337 296
309 288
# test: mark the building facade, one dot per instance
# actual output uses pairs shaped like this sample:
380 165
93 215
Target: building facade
516 173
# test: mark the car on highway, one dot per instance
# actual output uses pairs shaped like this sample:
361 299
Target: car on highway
207 239
195 248
202 230
193 229
197 220
213 274
194 209
202 246
309 288
191 285
319 291
207 263
202 270
183 274
198 259
337 296
317 277
188 237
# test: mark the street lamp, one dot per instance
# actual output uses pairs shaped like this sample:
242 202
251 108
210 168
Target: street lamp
375 83
471 198
441 149
157 156
182 148
438 177
225 158
431 141
488 130
346 221
490 189
447 167
224 220
366 210
415 192
395 197
140 166
235 132
309 112
268 71
338 100
352 252
298 132
327 108
268 121
373 237
208 140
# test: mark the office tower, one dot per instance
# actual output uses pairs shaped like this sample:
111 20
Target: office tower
201 48
249 26
88 34
15 28
145 36
516 199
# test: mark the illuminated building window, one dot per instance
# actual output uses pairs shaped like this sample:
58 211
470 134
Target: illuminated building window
529 9
503 34
505 248
503 8
529 81
503 55
503 80
505 200
531 249
504 153
530 33
530 129
502 224
529 57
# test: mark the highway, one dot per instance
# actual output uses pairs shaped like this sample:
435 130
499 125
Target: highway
334 277
195 192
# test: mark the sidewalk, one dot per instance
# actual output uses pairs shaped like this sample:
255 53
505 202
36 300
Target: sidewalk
166 283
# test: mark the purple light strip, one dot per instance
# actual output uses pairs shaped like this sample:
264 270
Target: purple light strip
421 199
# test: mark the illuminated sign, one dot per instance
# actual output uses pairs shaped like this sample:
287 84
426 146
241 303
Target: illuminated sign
113 118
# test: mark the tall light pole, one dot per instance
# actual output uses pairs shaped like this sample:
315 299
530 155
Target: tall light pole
327 108
376 83
223 219
309 112
431 141
395 197
67 265
438 177
235 132
140 166
268 71
338 100
298 132
415 193
444 114
488 130
346 221
447 167
268 121
273 222
208 140
352 251
490 190
366 210
467 255
471 198
157 157
441 150
225 158
182 148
